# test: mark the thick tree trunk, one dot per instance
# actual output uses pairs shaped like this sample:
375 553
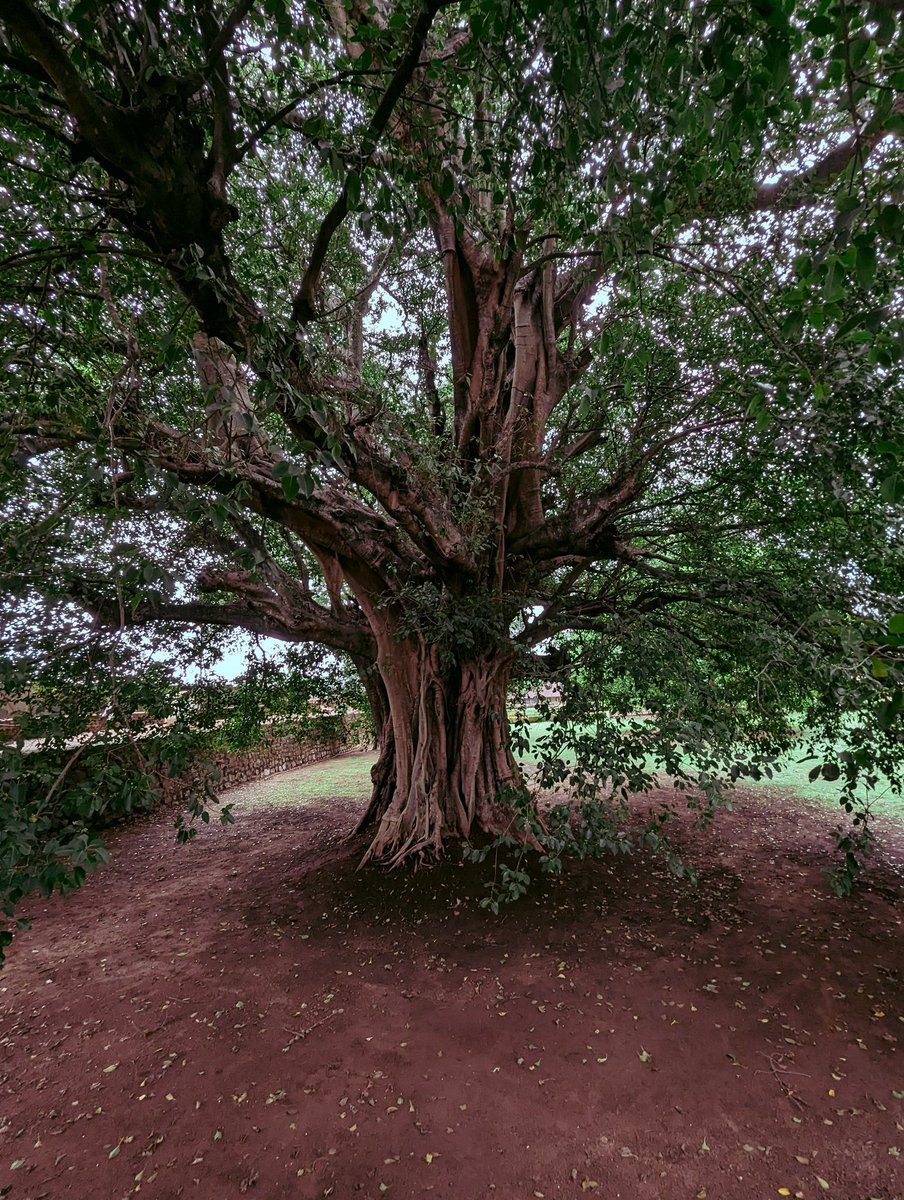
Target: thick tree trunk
448 767
382 773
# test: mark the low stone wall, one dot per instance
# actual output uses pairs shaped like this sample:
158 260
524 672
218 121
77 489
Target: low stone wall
210 766
280 754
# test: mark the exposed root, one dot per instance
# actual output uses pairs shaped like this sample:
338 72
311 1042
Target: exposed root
445 764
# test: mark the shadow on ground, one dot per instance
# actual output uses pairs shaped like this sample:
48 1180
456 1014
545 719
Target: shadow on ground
251 1015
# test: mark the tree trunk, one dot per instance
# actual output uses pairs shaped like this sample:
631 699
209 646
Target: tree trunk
448 768
382 773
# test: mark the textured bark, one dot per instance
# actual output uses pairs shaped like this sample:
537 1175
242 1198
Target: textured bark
445 765
383 771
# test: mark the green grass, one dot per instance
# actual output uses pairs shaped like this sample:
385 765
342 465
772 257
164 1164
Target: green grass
348 777
793 779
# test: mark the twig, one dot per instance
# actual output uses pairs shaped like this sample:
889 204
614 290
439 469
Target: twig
298 1035
778 1072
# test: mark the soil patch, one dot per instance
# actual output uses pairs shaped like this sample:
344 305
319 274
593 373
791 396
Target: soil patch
249 1015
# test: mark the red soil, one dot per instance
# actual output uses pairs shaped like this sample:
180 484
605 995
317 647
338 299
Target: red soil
247 1015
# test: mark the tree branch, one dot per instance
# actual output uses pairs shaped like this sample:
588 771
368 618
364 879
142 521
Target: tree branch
303 307
227 32
257 609
792 191
96 118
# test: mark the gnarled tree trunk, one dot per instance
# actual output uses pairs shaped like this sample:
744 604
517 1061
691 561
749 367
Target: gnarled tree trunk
448 765
382 773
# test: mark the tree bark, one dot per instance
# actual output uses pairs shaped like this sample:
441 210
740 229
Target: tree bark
445 768
382 773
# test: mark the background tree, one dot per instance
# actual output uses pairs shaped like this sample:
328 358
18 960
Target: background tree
466 339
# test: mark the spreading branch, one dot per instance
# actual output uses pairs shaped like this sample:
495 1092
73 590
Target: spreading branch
304 306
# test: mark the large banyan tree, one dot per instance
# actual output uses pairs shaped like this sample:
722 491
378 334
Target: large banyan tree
471 340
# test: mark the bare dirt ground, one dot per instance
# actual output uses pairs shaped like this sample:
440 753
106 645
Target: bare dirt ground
247 1015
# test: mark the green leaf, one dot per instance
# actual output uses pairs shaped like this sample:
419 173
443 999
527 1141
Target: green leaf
793 326
866 266
890 222
891 488
858 48
290 486
847 202
821 26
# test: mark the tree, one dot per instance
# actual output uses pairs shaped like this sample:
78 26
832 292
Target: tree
472 341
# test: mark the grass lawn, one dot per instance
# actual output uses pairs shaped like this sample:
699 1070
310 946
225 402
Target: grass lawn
345 778
793 779
348 777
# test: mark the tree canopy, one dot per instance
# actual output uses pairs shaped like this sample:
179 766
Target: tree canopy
477 343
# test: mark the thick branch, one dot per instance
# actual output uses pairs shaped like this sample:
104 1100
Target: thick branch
297 615
257 610
95 117
793 190
303 308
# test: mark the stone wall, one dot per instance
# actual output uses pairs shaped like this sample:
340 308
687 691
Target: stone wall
280 754
218 768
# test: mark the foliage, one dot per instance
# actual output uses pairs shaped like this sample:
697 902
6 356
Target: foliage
58 787
669 709
477 344
298 692
88 757
587 828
